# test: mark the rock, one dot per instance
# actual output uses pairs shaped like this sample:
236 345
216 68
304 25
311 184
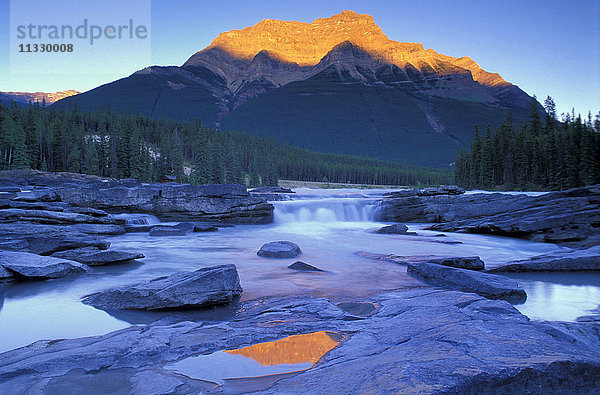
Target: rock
206 287
92 257
471 263
51 217
431 191
35 267
45 239
187 226
304 267
443 190
138 228
588 318
97 229
165 230
205 228
88 210
10 189
394 229
419 341
567 217
272 190
173 202
53 206
38 195
279 249
5 276
488 285
562 261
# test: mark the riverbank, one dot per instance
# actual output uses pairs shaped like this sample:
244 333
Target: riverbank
462 339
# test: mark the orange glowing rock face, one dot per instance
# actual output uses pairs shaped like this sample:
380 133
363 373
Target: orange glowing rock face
295 349
307 43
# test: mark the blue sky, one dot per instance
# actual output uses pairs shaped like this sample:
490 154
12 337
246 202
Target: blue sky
545 47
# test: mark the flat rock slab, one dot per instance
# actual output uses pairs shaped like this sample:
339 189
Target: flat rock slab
488 285
163 230
574 260
419 341
92 257
206 287
46 239
468 262
36 267
304 267
279 249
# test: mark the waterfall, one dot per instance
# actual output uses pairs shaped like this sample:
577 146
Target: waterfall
325 210
138 219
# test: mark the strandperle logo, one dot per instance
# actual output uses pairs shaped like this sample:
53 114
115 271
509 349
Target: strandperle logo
109 37
84 31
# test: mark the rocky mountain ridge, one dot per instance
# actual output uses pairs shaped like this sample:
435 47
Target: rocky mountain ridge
26 97
337 85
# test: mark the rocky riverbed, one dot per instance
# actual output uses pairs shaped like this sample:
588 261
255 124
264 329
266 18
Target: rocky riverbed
433 320
569 217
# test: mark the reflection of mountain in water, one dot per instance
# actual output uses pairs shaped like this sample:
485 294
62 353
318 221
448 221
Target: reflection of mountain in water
309 347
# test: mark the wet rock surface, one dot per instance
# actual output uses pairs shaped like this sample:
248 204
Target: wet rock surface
395 229
569 217
95 257
206 287
468 262
27 266
484 284
304 267
279 249
587 259
45 239
419 341
165 230
171 202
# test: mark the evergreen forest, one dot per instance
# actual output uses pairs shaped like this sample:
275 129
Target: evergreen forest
110 144
541 154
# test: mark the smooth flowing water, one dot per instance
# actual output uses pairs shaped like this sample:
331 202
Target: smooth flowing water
330 226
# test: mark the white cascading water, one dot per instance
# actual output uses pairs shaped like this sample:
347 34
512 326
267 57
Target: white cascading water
138 219
325 210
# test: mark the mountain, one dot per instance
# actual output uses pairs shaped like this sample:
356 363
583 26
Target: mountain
26 97
338 84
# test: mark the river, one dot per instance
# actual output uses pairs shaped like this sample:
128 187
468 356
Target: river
330 226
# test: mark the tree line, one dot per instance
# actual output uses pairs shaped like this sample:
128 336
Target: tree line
540 154
110 144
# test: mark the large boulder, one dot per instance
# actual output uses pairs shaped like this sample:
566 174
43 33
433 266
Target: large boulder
95 257
488 285
563 261
395 228
206 287
29 266
399 229
279 249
